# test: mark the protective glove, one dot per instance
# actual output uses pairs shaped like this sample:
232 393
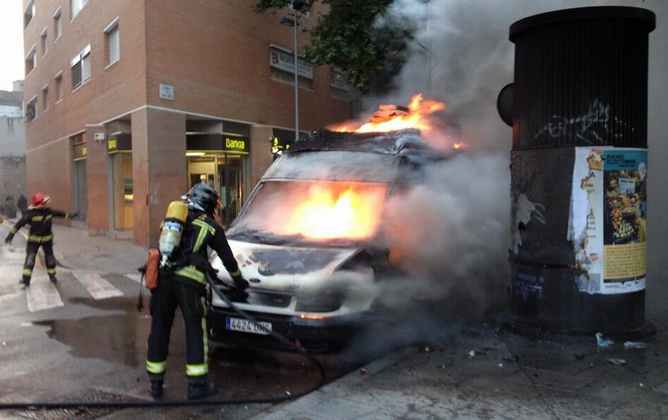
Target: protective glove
9 238
240 282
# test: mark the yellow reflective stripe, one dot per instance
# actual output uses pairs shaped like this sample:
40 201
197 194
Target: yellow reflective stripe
236 273
156 367
192 273
27 272
51 271
40 238
37 218
197 370
13 231
206 338
201 236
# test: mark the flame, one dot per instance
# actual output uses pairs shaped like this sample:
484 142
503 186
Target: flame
326 213
392 117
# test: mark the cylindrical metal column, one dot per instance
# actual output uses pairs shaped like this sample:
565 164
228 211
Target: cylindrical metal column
579 169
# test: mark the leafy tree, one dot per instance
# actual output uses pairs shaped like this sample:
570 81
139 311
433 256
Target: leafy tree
359 37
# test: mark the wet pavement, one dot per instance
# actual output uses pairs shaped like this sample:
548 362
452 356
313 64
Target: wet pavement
92 348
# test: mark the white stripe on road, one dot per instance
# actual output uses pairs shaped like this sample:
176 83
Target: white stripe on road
11 254
136 277
98 287
42 294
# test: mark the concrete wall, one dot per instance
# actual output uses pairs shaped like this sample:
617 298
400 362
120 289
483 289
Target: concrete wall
12 136
12 178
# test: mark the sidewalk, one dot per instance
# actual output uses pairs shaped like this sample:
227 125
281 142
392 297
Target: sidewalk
487 374
74 248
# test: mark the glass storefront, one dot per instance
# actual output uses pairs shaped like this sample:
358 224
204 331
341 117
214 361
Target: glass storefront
79 177
217 152
226 172
119 149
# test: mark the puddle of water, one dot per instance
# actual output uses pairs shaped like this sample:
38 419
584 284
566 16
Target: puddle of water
119 338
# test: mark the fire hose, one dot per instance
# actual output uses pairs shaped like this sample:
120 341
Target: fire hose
47 405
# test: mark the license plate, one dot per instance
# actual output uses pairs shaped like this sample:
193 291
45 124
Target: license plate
244 325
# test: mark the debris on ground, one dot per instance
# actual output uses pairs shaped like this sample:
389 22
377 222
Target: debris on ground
427 349
602 342
634 345
500 365
472 354
364 371
617 362
288 394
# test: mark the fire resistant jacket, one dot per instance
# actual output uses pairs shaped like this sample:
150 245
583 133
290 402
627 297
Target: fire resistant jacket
200 233
39 219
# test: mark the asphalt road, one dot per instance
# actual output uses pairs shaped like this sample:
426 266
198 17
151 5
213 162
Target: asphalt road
85 340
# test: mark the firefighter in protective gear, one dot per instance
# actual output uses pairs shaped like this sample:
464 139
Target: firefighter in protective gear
39 217
183 285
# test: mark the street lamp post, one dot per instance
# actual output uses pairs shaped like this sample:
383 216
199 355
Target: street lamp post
293 20
296 55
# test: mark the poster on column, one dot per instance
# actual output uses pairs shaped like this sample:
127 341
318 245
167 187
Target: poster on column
609 219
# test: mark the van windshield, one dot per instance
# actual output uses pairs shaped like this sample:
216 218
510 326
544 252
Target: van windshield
312 211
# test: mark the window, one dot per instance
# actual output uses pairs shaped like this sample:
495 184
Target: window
57 25
45 97
59 85
338 80
76 6
31 109
282 62
113 42
29 13
42 40
31 60
81 70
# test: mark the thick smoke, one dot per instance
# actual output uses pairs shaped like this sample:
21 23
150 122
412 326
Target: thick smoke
457 225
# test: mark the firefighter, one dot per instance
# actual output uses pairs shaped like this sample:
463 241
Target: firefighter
183 284
39 217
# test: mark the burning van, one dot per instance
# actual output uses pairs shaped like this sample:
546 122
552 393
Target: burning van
311 238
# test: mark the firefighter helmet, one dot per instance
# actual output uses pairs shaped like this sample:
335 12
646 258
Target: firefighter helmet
40 199
204 196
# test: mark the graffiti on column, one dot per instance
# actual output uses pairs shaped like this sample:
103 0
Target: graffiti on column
592 127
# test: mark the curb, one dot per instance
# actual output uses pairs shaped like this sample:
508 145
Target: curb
352 378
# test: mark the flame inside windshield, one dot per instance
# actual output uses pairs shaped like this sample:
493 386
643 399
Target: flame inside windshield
318 210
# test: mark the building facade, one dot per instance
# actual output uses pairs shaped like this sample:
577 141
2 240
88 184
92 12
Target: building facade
12 148
130 102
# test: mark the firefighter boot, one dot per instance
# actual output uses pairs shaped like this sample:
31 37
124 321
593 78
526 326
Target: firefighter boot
24 282
156 386
53 279
199 388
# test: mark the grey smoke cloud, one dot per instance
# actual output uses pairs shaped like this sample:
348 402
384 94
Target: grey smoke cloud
462 56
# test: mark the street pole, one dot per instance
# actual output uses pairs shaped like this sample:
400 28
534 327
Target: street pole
296 55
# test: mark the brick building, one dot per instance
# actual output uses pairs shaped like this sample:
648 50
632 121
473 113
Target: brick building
129 102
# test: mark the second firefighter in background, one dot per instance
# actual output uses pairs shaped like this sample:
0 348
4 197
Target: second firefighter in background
182 283
39 217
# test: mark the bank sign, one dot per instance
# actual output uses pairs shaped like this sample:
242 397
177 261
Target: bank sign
235 144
